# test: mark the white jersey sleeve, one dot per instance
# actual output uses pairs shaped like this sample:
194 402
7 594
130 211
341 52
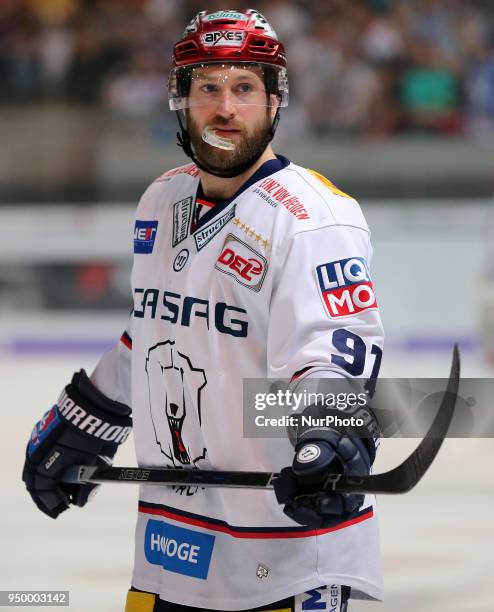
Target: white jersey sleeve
324 315
112 374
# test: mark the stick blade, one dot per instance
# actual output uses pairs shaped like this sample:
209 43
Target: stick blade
405 476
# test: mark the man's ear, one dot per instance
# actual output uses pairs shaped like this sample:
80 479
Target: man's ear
274 106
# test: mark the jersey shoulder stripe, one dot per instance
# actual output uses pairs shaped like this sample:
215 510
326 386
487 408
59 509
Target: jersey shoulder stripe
126 340
329 184
190 169
325 204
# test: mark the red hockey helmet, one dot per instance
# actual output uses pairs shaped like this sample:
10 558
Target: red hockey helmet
242 38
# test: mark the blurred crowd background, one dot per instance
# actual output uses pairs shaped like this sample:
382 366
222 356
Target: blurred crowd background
371 68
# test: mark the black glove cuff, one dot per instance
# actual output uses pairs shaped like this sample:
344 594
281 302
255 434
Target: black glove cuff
333 436
88 412
93 395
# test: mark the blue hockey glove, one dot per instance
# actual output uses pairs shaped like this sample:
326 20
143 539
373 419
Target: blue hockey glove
300 487
84 427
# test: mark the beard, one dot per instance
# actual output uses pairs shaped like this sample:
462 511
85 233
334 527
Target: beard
249 149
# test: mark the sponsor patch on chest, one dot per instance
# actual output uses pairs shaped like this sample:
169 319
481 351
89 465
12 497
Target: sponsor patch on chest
346 287
274 193
182 214
243 263
208 232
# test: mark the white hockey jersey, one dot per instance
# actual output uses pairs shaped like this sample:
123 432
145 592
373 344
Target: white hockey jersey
273 283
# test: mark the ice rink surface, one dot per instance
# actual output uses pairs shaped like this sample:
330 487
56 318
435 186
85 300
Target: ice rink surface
437 540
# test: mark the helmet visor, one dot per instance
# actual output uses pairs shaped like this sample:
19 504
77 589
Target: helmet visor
239 84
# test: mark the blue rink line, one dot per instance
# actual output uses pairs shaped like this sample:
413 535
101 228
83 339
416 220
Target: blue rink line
65 346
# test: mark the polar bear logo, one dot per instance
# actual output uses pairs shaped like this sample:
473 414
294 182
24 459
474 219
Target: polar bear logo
175 388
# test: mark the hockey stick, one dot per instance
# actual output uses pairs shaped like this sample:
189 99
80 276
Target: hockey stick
398 480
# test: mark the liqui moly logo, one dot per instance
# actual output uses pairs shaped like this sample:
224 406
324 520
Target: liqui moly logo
346 287
244 264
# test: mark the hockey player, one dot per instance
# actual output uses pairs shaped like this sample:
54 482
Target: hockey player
246 266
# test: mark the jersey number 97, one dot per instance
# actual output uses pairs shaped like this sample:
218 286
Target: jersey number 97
351 344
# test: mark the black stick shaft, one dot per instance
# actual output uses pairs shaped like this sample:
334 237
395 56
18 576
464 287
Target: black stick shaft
398 480
209 478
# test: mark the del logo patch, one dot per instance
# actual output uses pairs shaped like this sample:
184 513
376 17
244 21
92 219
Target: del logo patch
239 260
346 287
178 550
144 236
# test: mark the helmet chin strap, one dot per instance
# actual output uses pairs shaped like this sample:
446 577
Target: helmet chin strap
184 142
